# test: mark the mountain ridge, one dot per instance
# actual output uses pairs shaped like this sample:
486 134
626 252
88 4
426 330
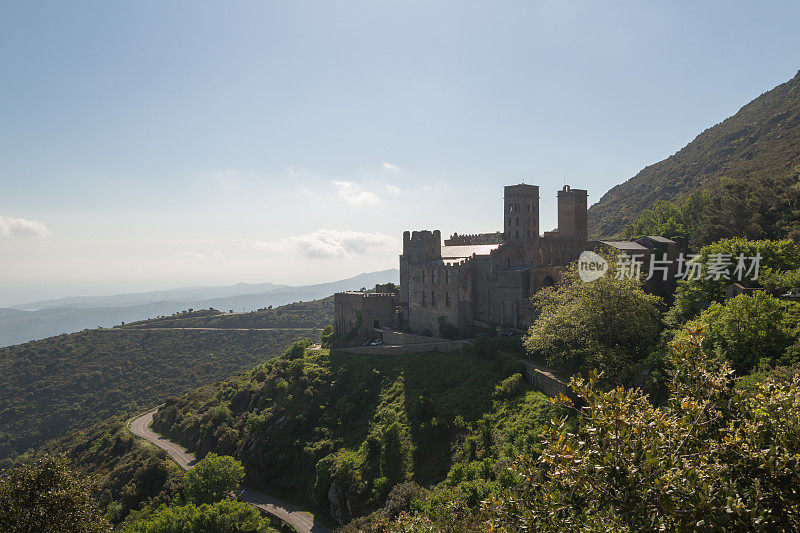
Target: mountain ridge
761 138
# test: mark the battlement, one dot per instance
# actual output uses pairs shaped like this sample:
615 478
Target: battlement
474 238
423 235
364 294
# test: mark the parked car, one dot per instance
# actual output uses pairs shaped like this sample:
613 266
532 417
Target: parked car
505 333
376 342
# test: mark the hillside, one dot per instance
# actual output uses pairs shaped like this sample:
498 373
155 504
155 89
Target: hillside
761 140
69 382
314 314
38 320
350 427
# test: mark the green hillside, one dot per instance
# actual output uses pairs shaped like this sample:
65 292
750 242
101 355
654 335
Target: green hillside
761 140
314 314
336 431
71 381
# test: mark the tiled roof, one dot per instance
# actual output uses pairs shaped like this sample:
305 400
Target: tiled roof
456 252
626 245
656 238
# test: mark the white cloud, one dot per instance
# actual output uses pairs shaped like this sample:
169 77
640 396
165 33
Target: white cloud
354 194
12 227
393 189
192 254
332 243
389 166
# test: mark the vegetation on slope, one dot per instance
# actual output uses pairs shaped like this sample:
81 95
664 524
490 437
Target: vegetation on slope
762 207
72 381
314 314
129 473
779 272
338 431
761 140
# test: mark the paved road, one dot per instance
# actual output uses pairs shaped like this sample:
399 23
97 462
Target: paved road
299 519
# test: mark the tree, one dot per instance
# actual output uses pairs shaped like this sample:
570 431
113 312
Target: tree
713 458
607 324
226 516
213 479
751 331
327 336
777 266
48 496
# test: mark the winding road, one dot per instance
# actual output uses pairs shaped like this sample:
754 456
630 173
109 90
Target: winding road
302 521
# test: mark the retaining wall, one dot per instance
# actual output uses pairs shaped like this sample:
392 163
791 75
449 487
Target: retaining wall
444 346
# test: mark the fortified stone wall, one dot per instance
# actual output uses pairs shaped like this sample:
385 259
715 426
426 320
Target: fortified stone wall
440 292
477 238
362 312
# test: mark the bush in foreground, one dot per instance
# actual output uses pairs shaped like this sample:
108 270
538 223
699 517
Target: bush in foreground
713 458
48 496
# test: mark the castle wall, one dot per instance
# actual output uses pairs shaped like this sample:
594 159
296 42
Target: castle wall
362 311
481 287
479 238
440 293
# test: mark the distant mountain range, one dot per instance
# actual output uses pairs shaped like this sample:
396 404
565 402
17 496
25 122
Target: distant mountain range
139 298
761 140
46 318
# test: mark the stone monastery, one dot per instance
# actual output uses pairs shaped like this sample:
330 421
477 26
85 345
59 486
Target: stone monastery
484 280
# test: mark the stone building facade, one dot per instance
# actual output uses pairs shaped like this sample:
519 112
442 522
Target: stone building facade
358 314
489 278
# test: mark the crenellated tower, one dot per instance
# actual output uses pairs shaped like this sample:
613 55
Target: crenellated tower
572 213
418 247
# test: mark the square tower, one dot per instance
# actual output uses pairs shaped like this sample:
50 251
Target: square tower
572 213
520 212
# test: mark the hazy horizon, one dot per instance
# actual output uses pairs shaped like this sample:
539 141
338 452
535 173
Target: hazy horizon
100 293
153 146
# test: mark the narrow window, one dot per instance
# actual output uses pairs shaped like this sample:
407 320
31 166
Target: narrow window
447 276
447 299
433 298
433 275
423 275
424 302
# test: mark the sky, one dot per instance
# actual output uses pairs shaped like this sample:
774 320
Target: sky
150 145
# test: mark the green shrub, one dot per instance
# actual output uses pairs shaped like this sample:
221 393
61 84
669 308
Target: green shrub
213 478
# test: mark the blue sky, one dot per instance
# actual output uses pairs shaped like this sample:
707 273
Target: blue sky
160 144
